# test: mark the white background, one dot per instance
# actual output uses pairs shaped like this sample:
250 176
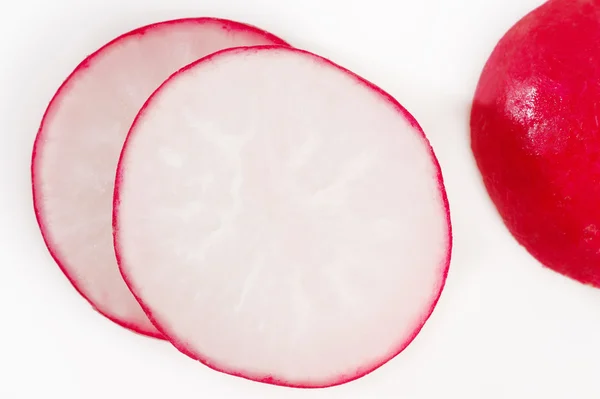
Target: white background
505 327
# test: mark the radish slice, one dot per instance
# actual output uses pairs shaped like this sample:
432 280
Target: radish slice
80 139
280 218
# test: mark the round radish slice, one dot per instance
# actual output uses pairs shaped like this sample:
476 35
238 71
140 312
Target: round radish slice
280 218
78 145
534 135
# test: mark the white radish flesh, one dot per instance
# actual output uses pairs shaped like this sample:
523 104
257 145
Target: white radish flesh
281 219
80 139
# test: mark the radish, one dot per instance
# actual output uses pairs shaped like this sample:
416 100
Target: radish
78 145
535 135
281 219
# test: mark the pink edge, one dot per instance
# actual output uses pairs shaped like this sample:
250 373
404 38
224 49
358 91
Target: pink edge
231 26
181 346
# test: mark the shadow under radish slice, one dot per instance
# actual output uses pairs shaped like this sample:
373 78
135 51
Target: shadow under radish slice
281 219
78 145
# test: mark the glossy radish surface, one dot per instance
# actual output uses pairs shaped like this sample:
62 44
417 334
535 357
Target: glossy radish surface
80 139
280 218
535 134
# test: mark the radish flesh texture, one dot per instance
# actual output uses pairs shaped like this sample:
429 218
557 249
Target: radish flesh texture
281 219
535 135
78 145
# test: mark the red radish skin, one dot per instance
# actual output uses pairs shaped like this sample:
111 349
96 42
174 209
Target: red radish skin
80 138
535 135
215 239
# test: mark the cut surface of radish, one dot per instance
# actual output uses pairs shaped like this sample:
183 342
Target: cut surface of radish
78 145
280 218
535 135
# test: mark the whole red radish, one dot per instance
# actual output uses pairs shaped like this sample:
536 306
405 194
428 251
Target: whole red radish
535 131
80 138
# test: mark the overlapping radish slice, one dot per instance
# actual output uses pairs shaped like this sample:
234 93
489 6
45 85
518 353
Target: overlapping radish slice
280 218
80 139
